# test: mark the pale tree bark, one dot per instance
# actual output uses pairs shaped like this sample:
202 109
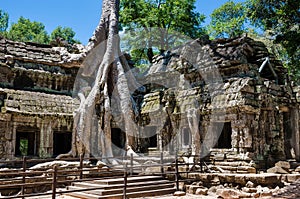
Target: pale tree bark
105 73
193 121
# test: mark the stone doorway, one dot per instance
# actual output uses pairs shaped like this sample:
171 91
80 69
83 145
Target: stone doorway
153 141
224 141
61 142
149 139
118 138
26 144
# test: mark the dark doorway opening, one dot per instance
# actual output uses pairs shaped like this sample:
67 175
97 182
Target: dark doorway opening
148 139
151 136
26 144
61 142
118 138
153 141
224 141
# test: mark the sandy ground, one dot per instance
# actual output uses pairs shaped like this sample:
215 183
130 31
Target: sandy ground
187 196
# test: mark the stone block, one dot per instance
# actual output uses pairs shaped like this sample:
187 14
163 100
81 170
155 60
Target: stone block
249 190
297 169
283 164
202 191
192 189
179 193
292 177
250 184
232 194
277 169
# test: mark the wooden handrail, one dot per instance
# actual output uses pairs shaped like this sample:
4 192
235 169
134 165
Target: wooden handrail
56 176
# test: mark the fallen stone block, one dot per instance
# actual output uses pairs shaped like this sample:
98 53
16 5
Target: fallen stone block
249 190
283 164
232 194
292 177
277 169
179 193
192 189
201 191
250 184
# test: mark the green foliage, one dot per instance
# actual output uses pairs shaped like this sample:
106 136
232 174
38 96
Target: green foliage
154 26
27 31
228 20
3 21
24 147
281 18
64 33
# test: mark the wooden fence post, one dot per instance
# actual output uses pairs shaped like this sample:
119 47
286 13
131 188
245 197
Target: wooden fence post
125 182
24 165
81 167
176 172
54 182
161 163
131 164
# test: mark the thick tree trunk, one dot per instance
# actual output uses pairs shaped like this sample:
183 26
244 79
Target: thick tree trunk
105 73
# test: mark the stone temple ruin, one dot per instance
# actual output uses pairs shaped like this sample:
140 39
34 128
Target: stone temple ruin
229 98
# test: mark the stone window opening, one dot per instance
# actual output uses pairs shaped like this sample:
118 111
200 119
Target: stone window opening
26 143
224 141
268 72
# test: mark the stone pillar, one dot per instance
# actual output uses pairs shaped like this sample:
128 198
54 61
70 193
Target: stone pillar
45 134
296 132
12 150
9 138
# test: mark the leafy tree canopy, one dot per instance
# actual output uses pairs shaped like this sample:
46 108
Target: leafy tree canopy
228 20
28 31
158 24
64 33
281 18
3 21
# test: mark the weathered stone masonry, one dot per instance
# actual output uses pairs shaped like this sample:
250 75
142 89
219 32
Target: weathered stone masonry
257 104
262 108
35 99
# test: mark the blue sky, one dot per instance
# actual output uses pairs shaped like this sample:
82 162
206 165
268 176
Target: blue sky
82 16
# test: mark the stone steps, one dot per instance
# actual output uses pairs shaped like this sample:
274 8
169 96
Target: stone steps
113 188
229 161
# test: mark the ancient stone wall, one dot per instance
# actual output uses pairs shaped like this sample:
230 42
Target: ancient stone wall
255 97
36 83
36 67
233 86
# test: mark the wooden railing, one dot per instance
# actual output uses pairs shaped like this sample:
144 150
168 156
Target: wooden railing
24 178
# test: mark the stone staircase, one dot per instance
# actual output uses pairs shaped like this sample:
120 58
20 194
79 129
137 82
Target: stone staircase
137 186
229 161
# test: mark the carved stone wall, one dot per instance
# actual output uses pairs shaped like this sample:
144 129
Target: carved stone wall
255 97
36 84
254 107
